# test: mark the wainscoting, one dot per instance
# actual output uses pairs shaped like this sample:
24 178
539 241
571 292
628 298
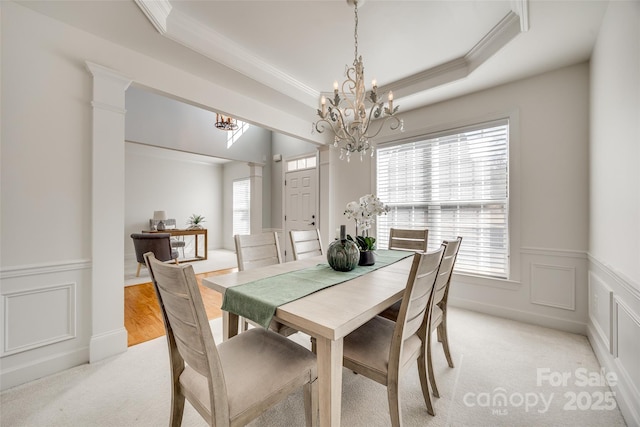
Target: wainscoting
614 333
551 291
46 319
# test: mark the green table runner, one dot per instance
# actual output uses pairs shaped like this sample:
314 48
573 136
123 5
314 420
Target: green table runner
259 299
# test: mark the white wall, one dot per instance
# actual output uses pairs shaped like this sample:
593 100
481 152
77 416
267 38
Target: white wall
614 230
155 179
548 195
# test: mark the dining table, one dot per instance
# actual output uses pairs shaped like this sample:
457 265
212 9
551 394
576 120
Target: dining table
327 315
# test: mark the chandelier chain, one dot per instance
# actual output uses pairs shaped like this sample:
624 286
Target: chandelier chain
355 32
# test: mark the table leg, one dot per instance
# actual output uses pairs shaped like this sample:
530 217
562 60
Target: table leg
329 355
206 244
229 325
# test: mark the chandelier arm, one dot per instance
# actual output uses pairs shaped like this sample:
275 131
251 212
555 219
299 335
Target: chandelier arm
377 106
397 123
341 132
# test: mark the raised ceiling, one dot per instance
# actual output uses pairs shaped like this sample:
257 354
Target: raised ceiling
285 53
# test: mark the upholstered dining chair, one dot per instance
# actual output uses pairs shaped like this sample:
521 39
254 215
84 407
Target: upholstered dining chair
306 243
405 240
260 250
158 243
234 382
383 350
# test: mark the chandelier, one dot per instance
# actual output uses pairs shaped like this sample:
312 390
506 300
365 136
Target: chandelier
225 123
347 114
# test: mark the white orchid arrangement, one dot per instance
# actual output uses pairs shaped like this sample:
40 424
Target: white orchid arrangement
364 212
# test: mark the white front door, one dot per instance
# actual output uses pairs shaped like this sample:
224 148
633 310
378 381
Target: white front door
301 204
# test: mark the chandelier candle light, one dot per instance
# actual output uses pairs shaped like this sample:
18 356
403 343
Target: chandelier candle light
225 123
347 113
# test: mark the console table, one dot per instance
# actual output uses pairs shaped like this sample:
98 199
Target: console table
196 232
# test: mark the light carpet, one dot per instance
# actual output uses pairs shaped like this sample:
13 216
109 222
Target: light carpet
507 374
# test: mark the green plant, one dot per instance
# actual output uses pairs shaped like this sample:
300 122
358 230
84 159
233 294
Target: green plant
195 221
365 243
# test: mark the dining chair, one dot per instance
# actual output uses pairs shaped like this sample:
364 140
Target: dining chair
233 382
438 318
158 243
383 350
260 250
306 243
405 240
257 250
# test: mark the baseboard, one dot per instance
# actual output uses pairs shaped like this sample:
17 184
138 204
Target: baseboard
43 367
628 404
521 316
107 344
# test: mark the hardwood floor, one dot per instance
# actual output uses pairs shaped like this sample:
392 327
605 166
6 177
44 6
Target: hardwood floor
142 317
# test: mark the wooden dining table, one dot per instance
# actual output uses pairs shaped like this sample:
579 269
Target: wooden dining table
327 315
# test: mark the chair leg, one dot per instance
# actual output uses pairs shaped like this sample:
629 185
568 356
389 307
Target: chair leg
243 325
442 328
432 377
138 272
177 409
394 404
424 383
311 407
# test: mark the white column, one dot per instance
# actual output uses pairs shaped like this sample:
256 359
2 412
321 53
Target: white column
255 185
108 336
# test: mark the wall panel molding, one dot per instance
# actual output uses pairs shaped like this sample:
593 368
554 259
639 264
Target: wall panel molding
44 268
566 253
627 284
603 331
38 317
618 353
553 286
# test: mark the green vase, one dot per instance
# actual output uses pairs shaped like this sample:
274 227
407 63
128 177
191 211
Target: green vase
343 254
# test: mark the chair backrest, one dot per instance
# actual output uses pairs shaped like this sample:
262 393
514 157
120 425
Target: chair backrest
306 243
188 332
412 240
158 243
257 250
415 304
441 289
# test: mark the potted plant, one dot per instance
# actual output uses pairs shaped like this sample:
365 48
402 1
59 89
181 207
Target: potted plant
195 222
363 213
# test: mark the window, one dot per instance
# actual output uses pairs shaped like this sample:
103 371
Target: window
235 135
241 207
454 184
298 164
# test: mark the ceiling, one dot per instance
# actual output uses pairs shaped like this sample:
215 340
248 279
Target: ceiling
286 53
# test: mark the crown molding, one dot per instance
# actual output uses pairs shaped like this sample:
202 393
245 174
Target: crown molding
521 8
157 12
208 42
198 37
504 31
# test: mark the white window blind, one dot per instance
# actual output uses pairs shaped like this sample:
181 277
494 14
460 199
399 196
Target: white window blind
241 207
454 184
